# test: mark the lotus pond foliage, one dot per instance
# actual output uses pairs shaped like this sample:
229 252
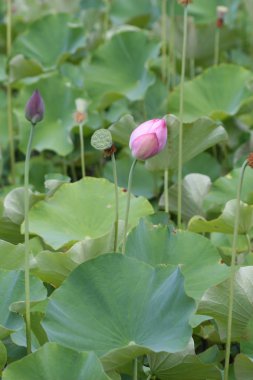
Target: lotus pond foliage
126 203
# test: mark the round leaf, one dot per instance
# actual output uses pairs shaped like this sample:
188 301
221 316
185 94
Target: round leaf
56 362
122 308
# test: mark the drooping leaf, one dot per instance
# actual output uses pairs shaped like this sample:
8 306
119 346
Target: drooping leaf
122 308
243 367
194 189
197 137
215 303
225 222
53 361
158 245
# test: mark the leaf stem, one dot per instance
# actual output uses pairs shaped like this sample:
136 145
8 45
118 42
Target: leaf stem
27 249
116 221
9 92
82 149
248 242
129 187
166 190
216 46
135 369
181 112
164 42
171 76
233 270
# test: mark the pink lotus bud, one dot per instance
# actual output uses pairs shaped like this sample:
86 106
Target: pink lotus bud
34 110
148 139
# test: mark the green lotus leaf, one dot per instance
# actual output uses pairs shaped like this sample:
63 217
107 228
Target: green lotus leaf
178 366
243 367
194 188
215 303
131 11
11 256
53 132
197 137
122 309
157 245
118 68
3 356
219 92
225 222
53 361
13 290
82 210
48 51
225 188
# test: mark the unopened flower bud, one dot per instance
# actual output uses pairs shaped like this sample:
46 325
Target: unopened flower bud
35 108
184 2
221 13
148 139
80 114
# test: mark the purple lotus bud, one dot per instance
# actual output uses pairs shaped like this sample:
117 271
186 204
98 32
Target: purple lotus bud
148 139
34 110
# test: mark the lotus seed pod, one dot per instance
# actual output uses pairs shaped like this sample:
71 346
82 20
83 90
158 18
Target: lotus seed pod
101 139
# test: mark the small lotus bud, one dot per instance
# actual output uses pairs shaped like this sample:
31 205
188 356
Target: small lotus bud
148 139
80 114
35 108
221 12
250 160
184 2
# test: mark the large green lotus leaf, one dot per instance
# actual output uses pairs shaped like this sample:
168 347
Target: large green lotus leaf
118 68
219 92
122 129
123 308
82 210
177 367
3 356
215 303
158 245
10 231
21 68
243 367
53 361
125 12
48 51
13 290
225 188
225 222
194 188
197 137
53 132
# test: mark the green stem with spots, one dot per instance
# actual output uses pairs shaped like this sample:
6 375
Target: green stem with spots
216 46
164 38
166 190
172 70
181 113
9 91
135 369
233 272
116 221
129 188
27 248
82 149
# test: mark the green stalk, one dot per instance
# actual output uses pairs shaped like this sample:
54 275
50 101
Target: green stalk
216 46
172 70
181 112
233 271
164 35
135 369
82 149
192 67
27 249
129 187
116 222
9 94
248 242
166 190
